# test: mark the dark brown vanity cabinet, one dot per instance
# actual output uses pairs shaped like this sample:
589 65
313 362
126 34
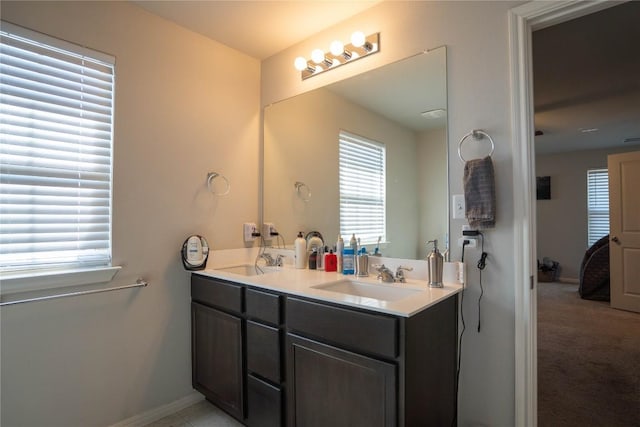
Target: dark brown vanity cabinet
217 343
350 367
276 360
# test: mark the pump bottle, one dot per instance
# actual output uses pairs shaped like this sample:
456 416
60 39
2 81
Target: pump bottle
300 251
435 265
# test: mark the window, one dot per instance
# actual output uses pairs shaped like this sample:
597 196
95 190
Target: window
362 188
597 204
56 119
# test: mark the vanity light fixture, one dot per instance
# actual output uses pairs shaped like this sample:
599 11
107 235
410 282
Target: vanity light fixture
338 54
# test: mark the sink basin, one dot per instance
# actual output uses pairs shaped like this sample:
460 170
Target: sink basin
369 290
247 270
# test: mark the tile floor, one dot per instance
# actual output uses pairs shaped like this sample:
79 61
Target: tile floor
201 414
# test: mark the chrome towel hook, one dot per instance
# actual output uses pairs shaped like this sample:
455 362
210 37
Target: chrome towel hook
477 135
212 176
303 191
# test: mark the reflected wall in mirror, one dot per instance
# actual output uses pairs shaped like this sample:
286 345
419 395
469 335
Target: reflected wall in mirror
402 106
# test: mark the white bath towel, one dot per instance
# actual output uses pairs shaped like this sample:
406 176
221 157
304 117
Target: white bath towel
480 193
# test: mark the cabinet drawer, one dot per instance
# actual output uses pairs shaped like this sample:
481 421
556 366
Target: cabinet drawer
263 351
350 329
216 293
263 306
264 404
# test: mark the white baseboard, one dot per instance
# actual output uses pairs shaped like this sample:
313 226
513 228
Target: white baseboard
160 412
568 280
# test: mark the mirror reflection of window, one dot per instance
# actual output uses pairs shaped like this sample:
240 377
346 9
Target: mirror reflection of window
362 188
597 204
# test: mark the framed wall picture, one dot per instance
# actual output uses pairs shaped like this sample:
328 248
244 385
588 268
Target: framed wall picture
543 187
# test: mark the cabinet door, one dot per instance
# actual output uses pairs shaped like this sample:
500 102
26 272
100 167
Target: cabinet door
216 340
333 387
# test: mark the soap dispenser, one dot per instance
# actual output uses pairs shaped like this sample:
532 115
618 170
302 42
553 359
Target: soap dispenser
435 265
300 251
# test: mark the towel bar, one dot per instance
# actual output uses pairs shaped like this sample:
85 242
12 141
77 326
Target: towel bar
139 283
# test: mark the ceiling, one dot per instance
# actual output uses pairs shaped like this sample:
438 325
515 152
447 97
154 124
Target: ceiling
586 84
402 90
258 28
587 81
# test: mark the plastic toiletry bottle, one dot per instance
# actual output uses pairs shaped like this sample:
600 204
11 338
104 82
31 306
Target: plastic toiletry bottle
330 261
362 263
320 261
339 253
348 261
353 243
313 259
300 251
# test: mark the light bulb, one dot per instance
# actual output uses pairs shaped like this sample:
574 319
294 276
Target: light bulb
317 56
358 39
336 47
300 63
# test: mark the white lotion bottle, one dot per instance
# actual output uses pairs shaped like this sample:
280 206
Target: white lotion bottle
300 251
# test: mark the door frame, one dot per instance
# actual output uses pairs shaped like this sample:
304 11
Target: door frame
523 20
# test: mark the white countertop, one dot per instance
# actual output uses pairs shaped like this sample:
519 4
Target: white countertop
301 282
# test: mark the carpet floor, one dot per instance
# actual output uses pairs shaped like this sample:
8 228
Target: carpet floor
588 361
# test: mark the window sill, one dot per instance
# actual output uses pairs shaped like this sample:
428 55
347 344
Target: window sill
25 282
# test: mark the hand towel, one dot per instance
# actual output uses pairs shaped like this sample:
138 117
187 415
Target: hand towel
480 193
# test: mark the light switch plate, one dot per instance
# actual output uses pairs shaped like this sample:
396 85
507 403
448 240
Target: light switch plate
458 206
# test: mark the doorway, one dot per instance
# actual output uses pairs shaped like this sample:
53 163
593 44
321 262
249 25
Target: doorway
523 20
587 351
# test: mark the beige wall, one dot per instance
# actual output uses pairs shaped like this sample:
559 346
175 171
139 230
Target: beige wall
184 106
317 119
476 36
562 220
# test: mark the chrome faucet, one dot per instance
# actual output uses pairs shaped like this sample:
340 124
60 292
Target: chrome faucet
279 260
400 273
270 262
384 274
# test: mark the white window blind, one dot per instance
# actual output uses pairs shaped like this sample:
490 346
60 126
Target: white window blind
56 119
362 188
597 204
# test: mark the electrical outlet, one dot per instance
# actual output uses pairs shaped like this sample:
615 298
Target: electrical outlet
458 206
267 229
472 242
250 231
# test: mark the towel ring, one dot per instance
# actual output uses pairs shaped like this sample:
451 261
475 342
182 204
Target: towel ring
213 175
303 191
477 135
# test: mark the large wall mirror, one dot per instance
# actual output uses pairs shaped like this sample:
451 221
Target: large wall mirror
403 107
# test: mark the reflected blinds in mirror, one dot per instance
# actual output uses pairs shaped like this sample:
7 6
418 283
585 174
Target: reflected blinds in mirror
362 188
